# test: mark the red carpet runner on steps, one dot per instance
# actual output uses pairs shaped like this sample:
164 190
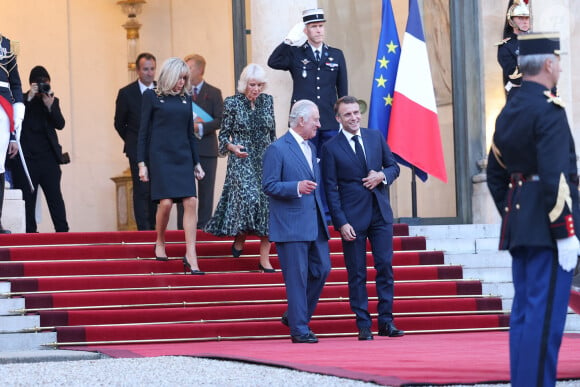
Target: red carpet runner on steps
105 288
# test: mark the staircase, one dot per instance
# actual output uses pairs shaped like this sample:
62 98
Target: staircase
475 248
96 288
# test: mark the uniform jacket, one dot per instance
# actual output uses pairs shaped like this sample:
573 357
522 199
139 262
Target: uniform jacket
210 99
507 57
532 172
320 83
348 200
9 72
293 218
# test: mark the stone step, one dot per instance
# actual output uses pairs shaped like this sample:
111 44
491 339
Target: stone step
4 288
456 231
15 324
8 305
25 341
483 260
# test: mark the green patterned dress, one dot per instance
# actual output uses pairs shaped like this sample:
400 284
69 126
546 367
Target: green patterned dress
243 206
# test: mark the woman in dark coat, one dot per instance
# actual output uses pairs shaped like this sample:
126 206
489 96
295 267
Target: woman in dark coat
248 127
168 156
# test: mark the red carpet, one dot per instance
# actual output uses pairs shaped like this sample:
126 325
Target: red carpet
413 359
106 288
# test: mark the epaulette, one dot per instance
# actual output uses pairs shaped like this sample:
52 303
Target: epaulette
502 42
554 99
15 47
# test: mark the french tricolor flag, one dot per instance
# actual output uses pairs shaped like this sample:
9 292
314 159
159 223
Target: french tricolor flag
414 134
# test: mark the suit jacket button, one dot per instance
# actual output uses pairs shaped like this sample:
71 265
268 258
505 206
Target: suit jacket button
507 209
517 206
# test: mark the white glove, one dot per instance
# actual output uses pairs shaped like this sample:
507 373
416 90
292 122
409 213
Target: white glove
568 252
296 36
18 109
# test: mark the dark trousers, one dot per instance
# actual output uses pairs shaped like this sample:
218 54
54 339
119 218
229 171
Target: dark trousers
305 266
205 192
44 172
380 235
541 295
144 209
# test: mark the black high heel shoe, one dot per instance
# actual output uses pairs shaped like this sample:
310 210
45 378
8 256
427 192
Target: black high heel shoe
264 270
187 268
164 259
235 252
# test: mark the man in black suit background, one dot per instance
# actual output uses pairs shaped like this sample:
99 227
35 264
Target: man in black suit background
209 98
127 121
356 177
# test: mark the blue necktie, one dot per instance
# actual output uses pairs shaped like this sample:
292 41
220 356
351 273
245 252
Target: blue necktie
317 55
195 93
358 150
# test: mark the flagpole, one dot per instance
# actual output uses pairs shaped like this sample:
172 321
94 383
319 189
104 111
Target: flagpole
413 193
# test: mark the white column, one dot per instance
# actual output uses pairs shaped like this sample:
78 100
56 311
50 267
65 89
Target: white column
270 22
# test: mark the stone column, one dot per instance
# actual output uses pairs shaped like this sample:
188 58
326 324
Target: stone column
270 22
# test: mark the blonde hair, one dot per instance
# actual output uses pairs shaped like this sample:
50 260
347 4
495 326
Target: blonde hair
254 72
171 71
197 59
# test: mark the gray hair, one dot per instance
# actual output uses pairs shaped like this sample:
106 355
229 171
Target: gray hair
171 71
253 72
532 64
302 108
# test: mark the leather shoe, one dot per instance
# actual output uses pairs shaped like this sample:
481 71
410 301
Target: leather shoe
390 330
309 338
284 319
365 334
235 252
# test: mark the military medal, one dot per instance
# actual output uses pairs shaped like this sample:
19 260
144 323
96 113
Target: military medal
304 63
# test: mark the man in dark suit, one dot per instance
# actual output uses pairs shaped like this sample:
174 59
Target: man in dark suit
356 178
291 179
318 71
209 98
533 178
127 121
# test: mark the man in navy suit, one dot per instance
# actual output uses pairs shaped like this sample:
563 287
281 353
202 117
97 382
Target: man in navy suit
127 121
291 179
209 98
356 179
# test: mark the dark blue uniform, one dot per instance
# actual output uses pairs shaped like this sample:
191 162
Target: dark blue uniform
507 57
9 73
533 179
322 83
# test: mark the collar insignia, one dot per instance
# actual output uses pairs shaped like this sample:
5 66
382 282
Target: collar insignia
553 98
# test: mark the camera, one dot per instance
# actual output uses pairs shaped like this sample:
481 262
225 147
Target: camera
43 88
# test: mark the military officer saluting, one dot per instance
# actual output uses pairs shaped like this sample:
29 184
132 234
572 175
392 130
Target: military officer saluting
11 109
533 179
318 71
517 22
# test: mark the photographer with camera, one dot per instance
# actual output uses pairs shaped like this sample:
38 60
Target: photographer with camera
42 152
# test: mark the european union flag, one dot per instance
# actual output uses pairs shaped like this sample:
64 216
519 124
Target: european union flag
386 66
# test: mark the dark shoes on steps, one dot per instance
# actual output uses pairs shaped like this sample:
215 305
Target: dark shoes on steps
390 330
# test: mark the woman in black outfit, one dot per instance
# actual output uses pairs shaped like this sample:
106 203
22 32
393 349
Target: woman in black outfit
168 156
